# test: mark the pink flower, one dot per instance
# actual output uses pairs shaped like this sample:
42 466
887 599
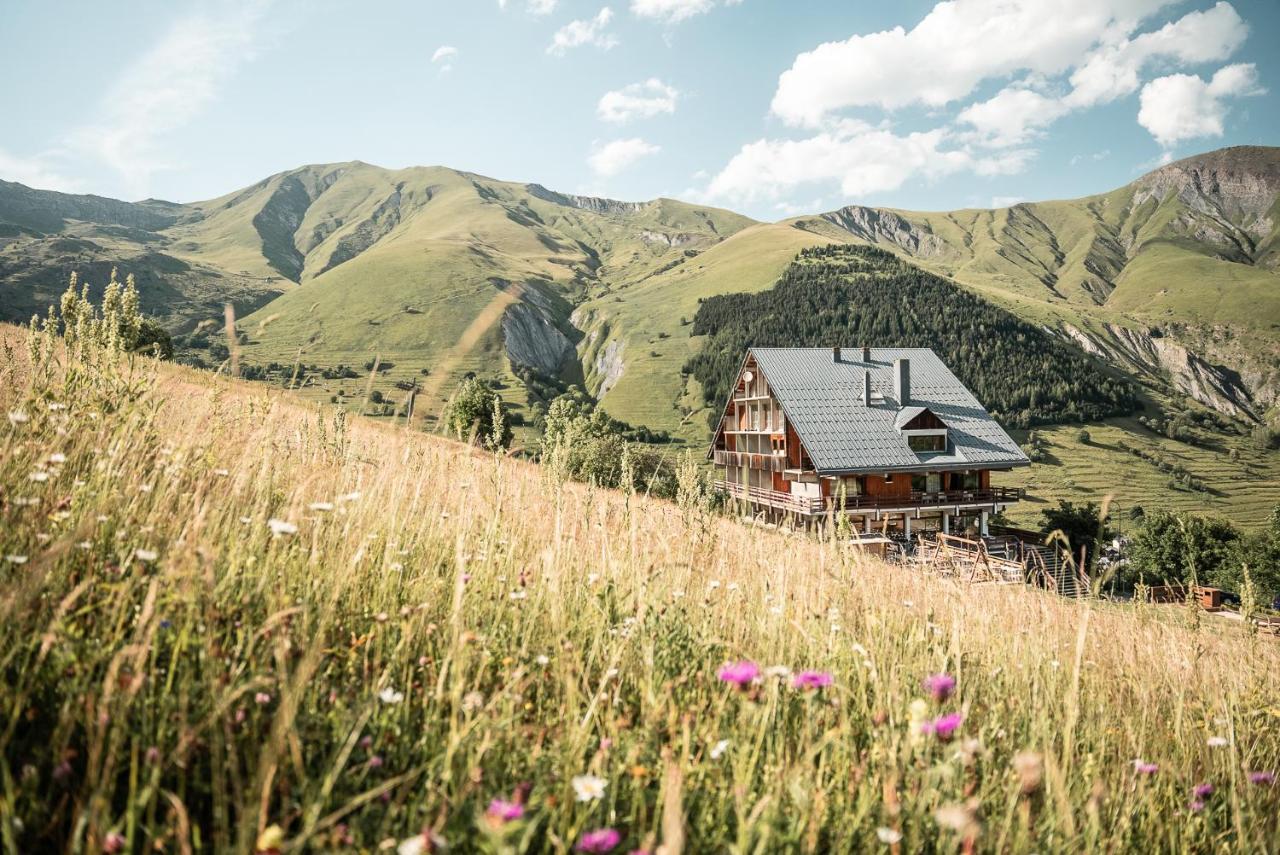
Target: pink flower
505 811
262 699
153 755
1262 779
1195 806
113 842
940 686
943 727
1142 767
811 680
599 841
740 673
375 762
1202 791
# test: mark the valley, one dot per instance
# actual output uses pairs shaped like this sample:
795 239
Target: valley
1169 282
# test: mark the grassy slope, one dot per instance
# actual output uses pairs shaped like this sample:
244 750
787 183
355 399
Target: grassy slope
234 675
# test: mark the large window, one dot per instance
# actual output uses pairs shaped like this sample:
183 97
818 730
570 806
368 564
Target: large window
927 442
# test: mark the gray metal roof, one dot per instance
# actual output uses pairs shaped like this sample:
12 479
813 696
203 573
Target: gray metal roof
822 400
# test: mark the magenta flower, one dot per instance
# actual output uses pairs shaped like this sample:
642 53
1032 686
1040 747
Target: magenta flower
599 841
811 680
943 727
1142 767
375 762
1262 779
1195 806
740 673
940 686
114 842
505 811
1202 791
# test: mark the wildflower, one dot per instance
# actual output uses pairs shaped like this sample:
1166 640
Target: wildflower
599 841
349 497
390 696
740 673
958 817
57 457
542 659
1195 805
16 559
375 761
1202 791
1262 779
505 811
940 686
1142 767
780 672
153 755
519 594
718 750
943 727
113 842
472 701
221 473
889 836
39 476
811 680
146 554
588 788
1217 742
262 699
279 527
1030 768
321 506
62 771
18 417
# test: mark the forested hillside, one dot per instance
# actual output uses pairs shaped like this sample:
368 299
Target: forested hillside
855 295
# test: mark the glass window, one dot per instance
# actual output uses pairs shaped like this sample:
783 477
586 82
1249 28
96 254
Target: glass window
928 442
919 483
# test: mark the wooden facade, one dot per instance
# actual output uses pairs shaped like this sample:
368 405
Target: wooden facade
764 463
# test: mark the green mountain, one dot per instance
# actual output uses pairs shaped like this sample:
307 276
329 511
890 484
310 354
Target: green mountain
1171 279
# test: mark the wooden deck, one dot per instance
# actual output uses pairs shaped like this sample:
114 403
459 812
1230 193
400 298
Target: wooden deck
815 506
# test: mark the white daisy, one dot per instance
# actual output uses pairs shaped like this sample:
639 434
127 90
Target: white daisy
390 696
589 788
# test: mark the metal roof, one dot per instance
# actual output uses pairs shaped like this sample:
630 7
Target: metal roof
822 399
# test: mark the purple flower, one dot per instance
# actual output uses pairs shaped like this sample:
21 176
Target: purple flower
943 727
940 686
1202 791
1262 779
600 840
1142 767
811 680
740 673
375 762
505 811
1195 806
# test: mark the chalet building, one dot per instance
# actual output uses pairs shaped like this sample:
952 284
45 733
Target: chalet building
911 447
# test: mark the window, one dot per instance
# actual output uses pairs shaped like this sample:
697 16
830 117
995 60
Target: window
854 485
918 483
927 442
968 480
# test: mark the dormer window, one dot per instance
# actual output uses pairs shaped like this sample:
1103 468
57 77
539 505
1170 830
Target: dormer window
924 431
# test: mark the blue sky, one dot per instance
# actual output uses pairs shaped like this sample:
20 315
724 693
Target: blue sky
768 107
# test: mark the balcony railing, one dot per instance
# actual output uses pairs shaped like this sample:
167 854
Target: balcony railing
768 461
812 505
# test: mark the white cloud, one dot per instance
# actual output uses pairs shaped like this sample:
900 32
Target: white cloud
670 11
1112 71
1005 201
584 32
1183 106
166 87
35 172
863 159
541 7
959 44
614 157
1012 116
444 52
637 101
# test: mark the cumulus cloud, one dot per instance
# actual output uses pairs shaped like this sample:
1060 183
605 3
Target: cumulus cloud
592 31
862 159
541 7
637 101
1005 201
674 11
166 87
616 156
943 58
1012 117
1181 107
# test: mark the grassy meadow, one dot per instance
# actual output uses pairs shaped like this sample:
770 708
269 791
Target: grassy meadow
233 620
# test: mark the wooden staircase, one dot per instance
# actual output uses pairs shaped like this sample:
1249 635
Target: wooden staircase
1054 569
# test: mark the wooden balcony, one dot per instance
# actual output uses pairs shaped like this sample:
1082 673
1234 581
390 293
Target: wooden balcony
768 462
813 506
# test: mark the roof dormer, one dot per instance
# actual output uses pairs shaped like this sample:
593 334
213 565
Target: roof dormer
924 431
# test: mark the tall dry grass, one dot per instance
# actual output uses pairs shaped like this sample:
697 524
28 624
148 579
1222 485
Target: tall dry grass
229 621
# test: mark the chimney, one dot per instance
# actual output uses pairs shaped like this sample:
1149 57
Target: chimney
866 354
902 381
866 388
835 354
